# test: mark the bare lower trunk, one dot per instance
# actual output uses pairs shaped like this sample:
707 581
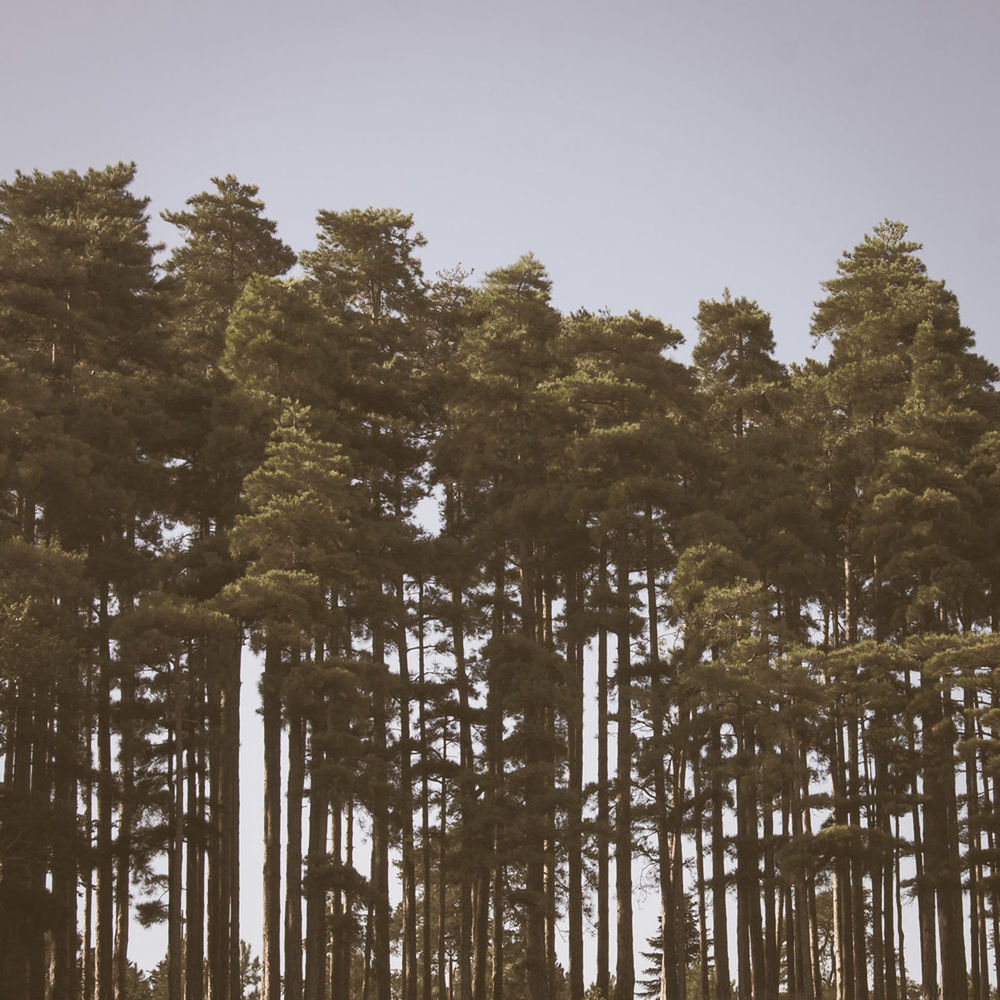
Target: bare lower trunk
316 925
271 711
104 966
293 857
625 957
406 811
603 805
720 916
574 820
175 859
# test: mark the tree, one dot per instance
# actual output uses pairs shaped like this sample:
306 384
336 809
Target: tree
366 277
227 241
82 330
908 389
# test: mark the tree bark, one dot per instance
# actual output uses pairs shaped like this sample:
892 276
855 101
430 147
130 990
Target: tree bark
603 832
270 691
293 855
625 956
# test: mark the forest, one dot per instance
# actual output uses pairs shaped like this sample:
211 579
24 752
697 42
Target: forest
551 623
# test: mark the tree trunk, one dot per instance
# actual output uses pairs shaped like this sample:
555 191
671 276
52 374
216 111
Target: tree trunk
720 917
126 818
534 794
669 971
699 854
382 943
232 648
406 809
270 691
424 754
317 859
625 957
574 806
194 941
175 931
293 855
104 966
65 973
603 832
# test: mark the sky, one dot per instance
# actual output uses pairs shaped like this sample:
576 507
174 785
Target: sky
650 154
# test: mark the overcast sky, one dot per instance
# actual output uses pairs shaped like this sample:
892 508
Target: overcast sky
649 153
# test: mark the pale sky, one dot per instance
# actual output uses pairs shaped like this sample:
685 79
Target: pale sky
650 154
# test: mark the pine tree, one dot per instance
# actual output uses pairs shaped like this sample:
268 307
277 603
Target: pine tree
226 241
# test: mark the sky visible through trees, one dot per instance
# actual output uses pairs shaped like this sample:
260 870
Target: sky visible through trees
553 624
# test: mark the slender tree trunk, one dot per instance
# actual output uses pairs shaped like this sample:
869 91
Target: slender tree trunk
603 783
495 756
380 819
886 872
442 880
574 807
88 984
534 887
771 896
126 819
316 861
473 942
217 908
270 691
194 941
625 958
976 990
676 848
669 971
699 854
843 907
720 917
897 879
337 918
424 753
104 967
925 898
800 936
406 809
232 647
293 855
940 841
65 982
175 861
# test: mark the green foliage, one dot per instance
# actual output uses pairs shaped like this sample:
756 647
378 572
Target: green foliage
229 445
227 241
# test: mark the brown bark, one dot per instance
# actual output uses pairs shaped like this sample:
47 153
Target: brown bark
603 832
720 917
175 859
381 943
940 841
104 936
270 690
65 983
625 957
194 940
669 972
406 809
315 882
293 856
574 807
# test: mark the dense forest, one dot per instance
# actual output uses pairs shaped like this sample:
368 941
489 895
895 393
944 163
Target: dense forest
478 544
